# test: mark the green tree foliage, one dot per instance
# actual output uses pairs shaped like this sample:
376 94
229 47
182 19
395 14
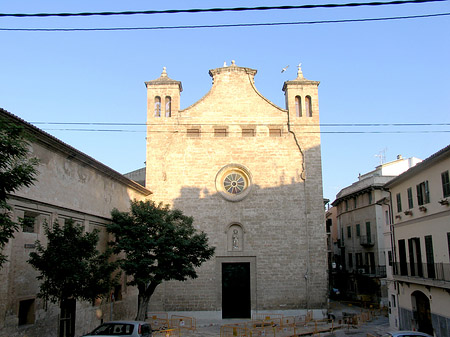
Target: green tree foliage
158 244
17 169
70 265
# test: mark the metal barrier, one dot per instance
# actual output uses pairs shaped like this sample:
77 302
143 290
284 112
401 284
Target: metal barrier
158 320
266 317
183 322
233 331
167 332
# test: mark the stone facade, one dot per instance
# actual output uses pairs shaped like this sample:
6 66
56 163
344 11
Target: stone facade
69 184
272 219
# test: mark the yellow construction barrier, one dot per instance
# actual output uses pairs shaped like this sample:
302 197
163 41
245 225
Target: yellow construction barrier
182 322
158 320
167 333
233 331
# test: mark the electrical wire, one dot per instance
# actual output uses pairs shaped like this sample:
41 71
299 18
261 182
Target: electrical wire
203 10
257 124
231 25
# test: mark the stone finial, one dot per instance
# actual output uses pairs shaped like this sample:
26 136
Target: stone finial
233 63
225 63
299 72
164 72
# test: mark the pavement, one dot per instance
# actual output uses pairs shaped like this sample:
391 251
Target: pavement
376 326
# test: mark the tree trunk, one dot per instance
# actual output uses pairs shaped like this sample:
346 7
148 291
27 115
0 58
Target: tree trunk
145 292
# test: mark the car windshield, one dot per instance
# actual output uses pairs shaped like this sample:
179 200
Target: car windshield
114 329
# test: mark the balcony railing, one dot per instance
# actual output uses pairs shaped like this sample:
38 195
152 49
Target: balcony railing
367 240
375 271
435 271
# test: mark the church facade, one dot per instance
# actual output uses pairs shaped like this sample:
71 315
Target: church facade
249 172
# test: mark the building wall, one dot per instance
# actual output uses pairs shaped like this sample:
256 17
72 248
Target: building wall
430 220
69 185
280 221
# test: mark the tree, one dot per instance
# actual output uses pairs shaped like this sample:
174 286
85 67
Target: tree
70 266
158 244
17 169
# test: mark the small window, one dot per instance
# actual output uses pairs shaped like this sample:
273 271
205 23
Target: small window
168 106
445 184
248 132
410 198
346 205
390 258
370 197
358 230
308 106
157 106
423 193
399 202
117 293
26 312
274 132
220 132
349 231
350 260
29 222
194 133
355 202
298 106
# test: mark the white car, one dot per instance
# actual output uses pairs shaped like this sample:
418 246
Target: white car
406 334
122 329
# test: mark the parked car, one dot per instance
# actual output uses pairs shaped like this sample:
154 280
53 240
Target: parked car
123 329
406 334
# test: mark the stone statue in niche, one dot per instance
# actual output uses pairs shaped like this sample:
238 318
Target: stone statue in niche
235 239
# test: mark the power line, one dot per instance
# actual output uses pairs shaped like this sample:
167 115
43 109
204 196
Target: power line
257 124
211 132
231 9
224 25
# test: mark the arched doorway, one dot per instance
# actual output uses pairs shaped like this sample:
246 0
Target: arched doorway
422 312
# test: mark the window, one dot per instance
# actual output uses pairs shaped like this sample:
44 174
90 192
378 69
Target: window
349 231
368 232
358 230
445 184
359 259
274 132
248 132
308 106
350 260
394 303
168 106
410 198
390 258
26 312
194 133
29 222
370 197
448 243
346 205
220 132
157 106
399 202
298 106
355 202
423 193
430 256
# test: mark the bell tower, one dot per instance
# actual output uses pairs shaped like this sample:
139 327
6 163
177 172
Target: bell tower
302 99
163 98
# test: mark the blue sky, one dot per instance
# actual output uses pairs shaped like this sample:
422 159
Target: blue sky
370 72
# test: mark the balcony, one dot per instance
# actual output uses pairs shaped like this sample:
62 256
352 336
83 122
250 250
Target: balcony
433 271
373 271
367 240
